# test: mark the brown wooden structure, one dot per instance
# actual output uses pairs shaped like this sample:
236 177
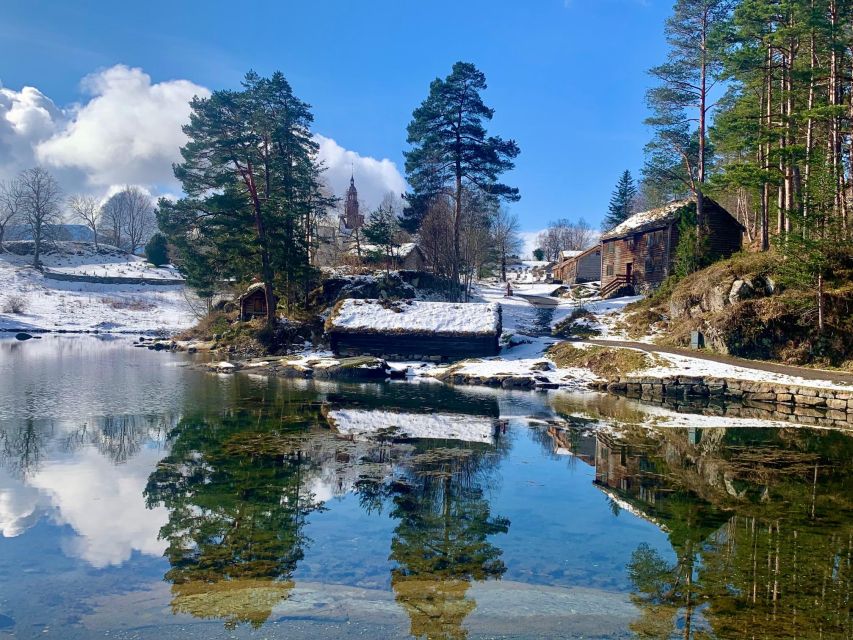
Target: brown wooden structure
410 339
639 253
585 266
253 303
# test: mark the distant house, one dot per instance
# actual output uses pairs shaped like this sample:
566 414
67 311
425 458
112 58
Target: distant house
579 266
639 252
408 256
253 302
414 329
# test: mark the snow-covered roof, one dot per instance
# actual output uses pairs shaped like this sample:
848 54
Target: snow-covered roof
415 316
442 426
569 253
646 220
402 251
251 289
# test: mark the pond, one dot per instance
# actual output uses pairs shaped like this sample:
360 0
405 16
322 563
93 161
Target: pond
141 498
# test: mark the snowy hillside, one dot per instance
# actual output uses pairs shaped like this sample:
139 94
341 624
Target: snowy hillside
29 300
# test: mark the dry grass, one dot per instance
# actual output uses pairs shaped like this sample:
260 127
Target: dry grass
134 304
15 304
605 362
569 327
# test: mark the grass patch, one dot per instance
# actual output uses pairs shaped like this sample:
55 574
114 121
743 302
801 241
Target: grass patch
576 325
605 362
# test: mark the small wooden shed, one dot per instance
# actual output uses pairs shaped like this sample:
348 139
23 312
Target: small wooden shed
415 329
640 252
253 302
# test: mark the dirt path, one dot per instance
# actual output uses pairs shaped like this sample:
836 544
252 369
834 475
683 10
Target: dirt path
770 367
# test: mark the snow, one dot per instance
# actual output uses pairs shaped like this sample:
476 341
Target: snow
568 253
688 366
402 251
78 306
416 316
645 219
443 426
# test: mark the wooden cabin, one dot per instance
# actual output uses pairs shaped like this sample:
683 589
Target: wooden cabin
579 266
253 302
415 329
639 253
408 256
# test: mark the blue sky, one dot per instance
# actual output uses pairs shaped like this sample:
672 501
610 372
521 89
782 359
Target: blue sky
566 77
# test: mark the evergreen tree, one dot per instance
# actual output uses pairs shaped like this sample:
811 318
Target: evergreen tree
157 251
251 180
382 230
678 154
621 202
452 152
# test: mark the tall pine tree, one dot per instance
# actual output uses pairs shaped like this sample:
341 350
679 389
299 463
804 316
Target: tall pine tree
251 180
451 151
621 202
682 100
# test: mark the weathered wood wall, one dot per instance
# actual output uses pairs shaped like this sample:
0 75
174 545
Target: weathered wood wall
398 346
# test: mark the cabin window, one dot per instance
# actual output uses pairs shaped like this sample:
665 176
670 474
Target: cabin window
608 270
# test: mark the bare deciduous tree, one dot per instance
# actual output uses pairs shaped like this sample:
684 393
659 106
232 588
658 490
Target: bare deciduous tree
127 218
11 204
565 235
86 209
40 199
505 238
139 220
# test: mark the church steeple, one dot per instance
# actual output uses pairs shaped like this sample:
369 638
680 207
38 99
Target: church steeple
352 218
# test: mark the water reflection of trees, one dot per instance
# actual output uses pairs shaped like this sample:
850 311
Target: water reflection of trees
760 520
442 541
234 487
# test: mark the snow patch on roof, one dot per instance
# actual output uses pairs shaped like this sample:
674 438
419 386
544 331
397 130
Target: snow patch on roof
416 316
647 219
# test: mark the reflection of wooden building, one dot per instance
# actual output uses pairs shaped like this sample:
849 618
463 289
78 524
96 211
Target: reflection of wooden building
582 266
640 251
253 303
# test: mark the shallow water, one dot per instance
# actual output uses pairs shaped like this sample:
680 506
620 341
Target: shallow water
143 499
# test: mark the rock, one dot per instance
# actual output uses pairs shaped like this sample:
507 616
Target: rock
741 290
840 405
715 299
809 401
22 336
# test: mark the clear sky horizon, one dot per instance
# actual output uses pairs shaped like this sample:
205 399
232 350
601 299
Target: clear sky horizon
567 78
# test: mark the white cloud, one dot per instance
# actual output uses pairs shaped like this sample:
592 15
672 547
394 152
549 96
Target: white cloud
530 241
109 529
373 178
21 506
128 131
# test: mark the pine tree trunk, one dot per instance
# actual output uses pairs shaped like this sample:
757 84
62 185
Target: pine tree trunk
457 223
700 166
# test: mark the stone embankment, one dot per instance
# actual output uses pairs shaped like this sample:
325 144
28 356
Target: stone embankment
79 277
802 404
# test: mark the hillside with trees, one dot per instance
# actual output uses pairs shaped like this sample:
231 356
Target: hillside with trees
753 107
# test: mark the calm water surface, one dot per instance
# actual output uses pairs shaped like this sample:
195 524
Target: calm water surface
140 498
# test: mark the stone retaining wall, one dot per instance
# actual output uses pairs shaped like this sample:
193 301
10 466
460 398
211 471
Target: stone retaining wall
77 277
803 404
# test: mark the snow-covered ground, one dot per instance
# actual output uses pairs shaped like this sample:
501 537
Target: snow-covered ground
76 306
687 366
